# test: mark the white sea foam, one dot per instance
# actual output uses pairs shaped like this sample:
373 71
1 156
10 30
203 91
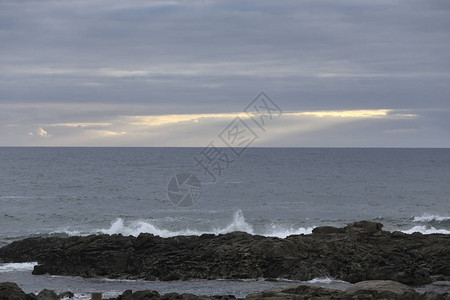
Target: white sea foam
136 227
238 223
325 280
282 232
321 280
426 230
9 267
430 217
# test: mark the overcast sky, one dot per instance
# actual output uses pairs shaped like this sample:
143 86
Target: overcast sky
350 73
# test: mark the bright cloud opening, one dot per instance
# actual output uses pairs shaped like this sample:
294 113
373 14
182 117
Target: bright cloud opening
41 132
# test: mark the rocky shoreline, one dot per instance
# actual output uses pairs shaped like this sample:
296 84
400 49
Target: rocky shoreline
375 289
360 251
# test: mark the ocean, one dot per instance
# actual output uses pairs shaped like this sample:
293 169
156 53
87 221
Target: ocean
264 191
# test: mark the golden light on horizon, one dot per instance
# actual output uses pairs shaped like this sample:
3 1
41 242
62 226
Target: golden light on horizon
161 120
365 113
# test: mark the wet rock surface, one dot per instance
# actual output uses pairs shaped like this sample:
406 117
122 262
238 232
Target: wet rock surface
372 289
47 295
367 290
360 251
11 291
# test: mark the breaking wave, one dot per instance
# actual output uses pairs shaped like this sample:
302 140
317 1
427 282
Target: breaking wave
9 267
426 229
237 224
431 218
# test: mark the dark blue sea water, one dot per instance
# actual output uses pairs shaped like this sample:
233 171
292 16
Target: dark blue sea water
267 191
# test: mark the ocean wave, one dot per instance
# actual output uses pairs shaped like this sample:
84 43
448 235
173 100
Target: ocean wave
238 223
321 280
134 228
326 280
65 232
282 232
431 218
9 267
426 230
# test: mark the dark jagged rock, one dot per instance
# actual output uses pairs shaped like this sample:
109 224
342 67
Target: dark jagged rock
47 295
301 292
367 290
154 295
357 252
384 289
10 291
139 295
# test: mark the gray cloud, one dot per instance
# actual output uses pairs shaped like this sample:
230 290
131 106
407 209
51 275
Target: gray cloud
95 61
